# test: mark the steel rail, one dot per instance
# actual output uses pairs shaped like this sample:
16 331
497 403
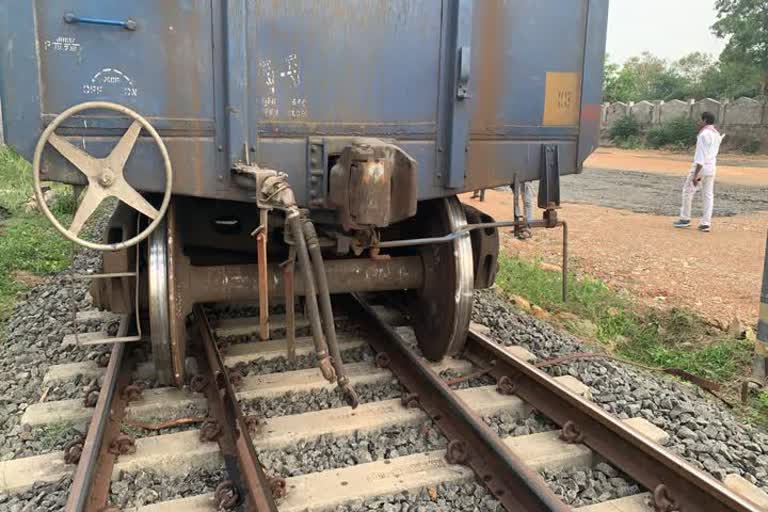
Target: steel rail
472 442
676 485
235 442
90 486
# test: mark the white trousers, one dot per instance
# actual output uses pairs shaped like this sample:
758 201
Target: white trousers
707 188
528 195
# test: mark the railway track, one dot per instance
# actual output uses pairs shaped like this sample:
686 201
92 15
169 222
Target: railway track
451 401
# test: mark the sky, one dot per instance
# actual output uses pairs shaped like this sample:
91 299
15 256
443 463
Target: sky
667 28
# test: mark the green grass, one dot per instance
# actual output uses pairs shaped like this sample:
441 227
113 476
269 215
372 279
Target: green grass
670 338
15 182
28 242
757 408
54 435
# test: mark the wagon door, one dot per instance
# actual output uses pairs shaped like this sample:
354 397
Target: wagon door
153 57
537 80
323 69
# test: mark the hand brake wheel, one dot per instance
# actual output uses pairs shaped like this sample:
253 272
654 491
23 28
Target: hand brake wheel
105 175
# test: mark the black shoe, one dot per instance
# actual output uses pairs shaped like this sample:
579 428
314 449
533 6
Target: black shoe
681 223
705 228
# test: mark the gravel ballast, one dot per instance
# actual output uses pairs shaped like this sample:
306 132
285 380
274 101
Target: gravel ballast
298 403
146 487
42 497
581 487
702 431
33 334
282 364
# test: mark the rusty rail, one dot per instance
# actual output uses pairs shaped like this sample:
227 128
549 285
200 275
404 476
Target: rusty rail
675 484
471 441
90 485
249 485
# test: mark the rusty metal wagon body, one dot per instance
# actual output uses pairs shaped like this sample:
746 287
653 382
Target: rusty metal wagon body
375 114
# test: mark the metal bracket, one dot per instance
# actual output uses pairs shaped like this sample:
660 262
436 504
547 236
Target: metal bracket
464 70
549 177
317 161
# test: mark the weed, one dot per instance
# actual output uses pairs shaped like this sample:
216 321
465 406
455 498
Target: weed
669 338
721 360
752 146
632 142
760 409
625 129
679 133
15 181
55 435
29 243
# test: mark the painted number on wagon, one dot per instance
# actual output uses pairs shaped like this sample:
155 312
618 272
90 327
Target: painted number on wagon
111 82
561 99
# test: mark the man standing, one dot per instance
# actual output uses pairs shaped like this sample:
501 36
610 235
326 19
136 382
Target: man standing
702 175
528 197
479 194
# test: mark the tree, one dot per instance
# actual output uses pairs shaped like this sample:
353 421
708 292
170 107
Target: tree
745 23
696 76
693 69
645 77
617 86
728 79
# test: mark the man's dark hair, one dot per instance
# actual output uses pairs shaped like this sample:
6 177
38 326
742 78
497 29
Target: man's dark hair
708 117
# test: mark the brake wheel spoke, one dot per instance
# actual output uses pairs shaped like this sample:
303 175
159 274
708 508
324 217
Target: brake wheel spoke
84 162
91 201
130 196
122 150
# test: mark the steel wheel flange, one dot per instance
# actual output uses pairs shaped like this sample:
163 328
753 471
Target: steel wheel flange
159 307
441 309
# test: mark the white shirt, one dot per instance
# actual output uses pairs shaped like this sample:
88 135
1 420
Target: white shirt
707 148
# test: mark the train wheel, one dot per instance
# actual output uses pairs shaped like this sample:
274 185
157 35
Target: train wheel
441 309
159 310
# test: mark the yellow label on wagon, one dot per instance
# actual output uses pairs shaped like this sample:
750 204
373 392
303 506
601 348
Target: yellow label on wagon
562 99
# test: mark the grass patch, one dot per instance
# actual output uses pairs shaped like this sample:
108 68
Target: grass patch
28 242
15 181
760 407
671 338
55 435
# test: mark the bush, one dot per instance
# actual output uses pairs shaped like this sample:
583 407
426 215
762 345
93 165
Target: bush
624 129
680 132
631 142
751 147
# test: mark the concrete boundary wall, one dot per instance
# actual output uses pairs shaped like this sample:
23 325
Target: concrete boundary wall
745 120
742 112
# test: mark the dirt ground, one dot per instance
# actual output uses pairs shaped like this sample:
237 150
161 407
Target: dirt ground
621 232
655 193
732 168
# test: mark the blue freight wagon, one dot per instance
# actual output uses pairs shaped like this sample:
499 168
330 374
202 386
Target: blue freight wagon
239 135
